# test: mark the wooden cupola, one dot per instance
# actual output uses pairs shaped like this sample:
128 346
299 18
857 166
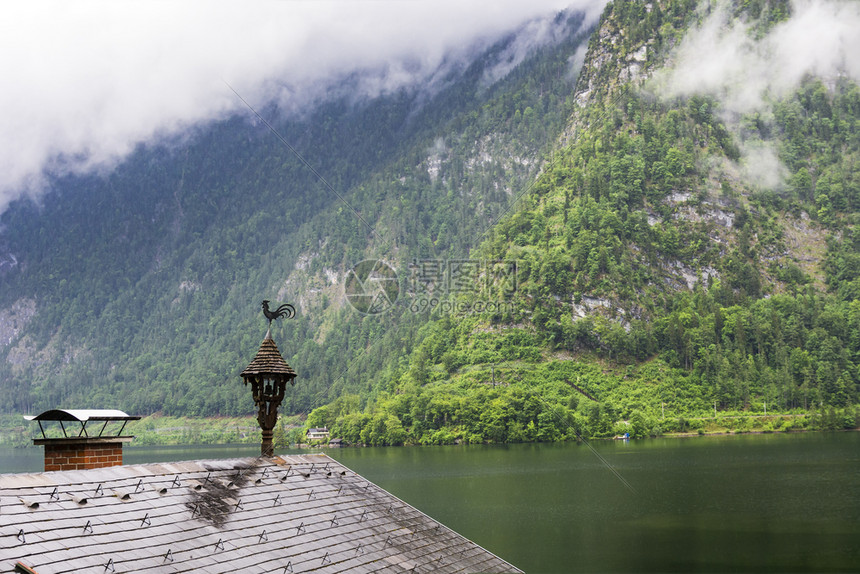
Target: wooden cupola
268 375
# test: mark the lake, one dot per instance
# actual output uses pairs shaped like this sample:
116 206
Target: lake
750 503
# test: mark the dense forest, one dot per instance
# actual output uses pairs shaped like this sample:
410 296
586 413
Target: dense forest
654 292
577 255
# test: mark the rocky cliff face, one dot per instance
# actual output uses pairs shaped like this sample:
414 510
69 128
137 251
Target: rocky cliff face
14 319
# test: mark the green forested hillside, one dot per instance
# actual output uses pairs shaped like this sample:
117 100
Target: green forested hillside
657 289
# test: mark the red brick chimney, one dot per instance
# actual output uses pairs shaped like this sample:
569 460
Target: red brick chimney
82 451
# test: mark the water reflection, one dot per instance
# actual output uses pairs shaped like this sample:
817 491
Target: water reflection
757 503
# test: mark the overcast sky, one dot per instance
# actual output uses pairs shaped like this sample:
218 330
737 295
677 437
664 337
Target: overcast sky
84 82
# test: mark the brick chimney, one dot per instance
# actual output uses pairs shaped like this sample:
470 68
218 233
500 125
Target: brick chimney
83 451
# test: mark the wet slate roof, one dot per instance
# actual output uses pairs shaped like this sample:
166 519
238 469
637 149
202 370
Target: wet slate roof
303 513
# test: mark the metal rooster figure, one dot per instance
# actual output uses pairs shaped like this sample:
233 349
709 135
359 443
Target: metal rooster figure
286 310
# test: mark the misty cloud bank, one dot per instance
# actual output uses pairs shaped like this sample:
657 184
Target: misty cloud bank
721 58
87 82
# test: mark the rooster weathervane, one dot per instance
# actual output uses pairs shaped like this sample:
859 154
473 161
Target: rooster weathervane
286 310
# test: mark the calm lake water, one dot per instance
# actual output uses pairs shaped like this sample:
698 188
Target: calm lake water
751 503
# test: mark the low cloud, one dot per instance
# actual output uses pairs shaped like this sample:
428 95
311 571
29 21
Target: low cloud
533 34
87 82
722 58
761 165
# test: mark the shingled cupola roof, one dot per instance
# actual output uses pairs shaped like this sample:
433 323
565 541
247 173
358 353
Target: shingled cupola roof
268 361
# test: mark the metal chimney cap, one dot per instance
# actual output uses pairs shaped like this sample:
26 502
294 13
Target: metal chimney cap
82 415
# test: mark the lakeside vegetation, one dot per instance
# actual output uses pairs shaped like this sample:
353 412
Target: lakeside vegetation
559 400
156 430
160 429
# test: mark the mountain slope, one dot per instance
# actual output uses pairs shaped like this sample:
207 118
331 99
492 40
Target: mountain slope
140 288
661 275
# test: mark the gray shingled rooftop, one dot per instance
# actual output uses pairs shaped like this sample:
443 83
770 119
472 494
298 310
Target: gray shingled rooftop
303 513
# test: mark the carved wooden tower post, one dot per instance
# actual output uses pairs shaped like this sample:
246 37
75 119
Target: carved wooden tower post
269 374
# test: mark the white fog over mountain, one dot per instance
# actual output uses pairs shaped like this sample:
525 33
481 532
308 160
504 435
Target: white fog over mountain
87 82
